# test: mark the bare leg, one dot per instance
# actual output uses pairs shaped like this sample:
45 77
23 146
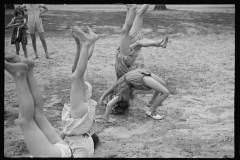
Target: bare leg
34 138
138 21
78 108
147 43
156 93
77 53
152 83
17 48
33 37
128 9
24 50
90 52
37 95
43 40
125 41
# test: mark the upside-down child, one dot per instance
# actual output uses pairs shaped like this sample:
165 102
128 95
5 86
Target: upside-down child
123 88
39 135
78 118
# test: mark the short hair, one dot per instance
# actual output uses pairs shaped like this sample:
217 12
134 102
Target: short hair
120 107
18 10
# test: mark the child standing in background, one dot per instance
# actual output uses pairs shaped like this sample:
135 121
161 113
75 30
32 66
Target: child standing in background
35 25
19 32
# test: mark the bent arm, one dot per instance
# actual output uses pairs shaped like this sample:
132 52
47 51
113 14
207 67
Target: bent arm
45 9
109 107
24 9
109 91
10 25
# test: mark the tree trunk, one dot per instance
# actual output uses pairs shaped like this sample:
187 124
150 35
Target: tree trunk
9 6
160 7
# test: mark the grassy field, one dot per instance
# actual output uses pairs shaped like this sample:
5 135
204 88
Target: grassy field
198 62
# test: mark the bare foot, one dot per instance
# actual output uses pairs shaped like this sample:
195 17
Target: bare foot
164 43
158 43
36 57
134 6
16 69
92 34
12 58
83 37
30 63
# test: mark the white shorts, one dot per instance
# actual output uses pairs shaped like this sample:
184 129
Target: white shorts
65 150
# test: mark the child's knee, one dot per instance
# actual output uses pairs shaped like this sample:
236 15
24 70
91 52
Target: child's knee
23 121
77 77
139 14
166 93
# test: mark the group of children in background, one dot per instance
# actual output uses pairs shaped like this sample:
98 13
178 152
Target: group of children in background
79 138
32 25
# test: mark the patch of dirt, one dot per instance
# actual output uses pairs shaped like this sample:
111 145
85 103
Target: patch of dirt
199 119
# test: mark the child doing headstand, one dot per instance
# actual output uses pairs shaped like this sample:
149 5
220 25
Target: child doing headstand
87 88
19 32
39 135
78 118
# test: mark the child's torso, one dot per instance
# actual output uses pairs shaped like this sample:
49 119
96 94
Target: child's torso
33 10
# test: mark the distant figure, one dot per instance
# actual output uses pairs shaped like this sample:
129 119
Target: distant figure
19 32
35 25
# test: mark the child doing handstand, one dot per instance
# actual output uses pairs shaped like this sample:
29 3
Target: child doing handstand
126 61
139 79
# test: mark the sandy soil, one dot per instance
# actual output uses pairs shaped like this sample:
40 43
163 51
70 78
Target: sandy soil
199 119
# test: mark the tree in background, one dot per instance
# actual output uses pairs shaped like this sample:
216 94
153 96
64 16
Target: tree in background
9 6
160 7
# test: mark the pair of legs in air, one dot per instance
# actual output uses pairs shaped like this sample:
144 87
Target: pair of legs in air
161 92
133 23
39 134
90 52
85 45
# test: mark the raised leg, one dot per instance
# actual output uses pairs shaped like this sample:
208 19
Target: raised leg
125 41
128 10
36 141
12 58
148 43
138 21
37 95
78 108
